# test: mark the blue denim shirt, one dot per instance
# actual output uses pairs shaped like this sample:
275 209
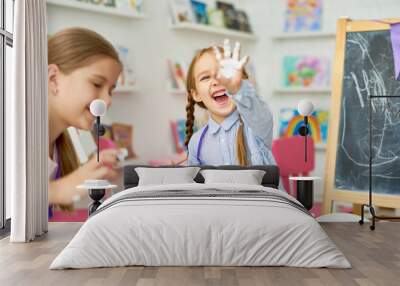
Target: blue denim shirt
219 142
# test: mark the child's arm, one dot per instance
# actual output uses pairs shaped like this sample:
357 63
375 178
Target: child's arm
254 111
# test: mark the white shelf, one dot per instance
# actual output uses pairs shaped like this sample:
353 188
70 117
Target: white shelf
126 90
98 8
213 30
286 90
307 35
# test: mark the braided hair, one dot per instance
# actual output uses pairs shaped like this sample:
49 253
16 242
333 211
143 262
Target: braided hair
190 108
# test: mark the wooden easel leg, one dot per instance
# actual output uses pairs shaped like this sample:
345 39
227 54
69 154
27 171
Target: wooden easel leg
356 209
327 206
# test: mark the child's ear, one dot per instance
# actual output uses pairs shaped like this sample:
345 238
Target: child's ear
52 76
195 96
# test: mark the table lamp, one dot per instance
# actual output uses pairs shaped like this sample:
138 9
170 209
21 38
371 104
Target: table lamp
305 185
97 188
305 108
98 109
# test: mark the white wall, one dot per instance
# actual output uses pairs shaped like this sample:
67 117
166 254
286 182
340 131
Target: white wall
152 43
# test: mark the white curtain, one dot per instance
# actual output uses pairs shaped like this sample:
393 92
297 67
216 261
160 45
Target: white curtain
27 123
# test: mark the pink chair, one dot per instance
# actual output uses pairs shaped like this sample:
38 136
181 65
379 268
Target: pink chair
289 156
105 143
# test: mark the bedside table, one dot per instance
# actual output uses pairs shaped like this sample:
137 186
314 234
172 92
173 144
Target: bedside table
305 190
97 190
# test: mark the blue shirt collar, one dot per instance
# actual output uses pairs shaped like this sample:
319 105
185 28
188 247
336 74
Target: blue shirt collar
226 124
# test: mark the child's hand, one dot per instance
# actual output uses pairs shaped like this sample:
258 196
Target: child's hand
230 67
63 191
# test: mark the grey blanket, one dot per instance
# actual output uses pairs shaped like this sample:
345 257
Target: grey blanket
208 194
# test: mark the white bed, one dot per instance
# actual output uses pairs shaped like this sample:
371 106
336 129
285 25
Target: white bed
201 224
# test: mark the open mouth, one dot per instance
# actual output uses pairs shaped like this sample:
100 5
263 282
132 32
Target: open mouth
220 96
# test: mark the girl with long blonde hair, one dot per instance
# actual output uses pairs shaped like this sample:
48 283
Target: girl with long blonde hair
82 66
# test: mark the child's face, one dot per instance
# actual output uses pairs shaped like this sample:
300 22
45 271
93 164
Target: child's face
75 91
209 90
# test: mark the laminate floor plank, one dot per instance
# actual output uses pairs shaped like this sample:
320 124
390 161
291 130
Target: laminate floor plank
374 255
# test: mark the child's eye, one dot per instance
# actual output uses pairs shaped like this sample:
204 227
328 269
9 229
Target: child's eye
97 85
204 78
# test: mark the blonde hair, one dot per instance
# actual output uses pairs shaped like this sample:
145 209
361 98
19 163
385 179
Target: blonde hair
71 49
190 87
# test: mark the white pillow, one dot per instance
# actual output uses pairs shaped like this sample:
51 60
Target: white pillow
163 176
248 177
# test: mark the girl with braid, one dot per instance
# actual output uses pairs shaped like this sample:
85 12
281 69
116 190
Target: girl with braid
239 128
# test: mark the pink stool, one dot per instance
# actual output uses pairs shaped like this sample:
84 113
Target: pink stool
289 156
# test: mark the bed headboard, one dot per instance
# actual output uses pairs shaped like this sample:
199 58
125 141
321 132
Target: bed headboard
270 179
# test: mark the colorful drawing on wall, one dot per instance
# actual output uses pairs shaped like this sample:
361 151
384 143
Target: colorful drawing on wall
136 4
216 18
126 5
230 14
291 120
128 76
306 71
176 75
178 129
200 11
303 15
123 137
181 11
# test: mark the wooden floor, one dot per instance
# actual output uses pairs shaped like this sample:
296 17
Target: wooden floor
375 257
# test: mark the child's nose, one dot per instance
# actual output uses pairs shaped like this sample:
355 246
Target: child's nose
214 81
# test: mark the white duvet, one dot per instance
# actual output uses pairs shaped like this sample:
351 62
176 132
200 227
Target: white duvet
183 231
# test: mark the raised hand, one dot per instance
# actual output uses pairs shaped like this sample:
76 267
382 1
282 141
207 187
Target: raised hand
230 71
